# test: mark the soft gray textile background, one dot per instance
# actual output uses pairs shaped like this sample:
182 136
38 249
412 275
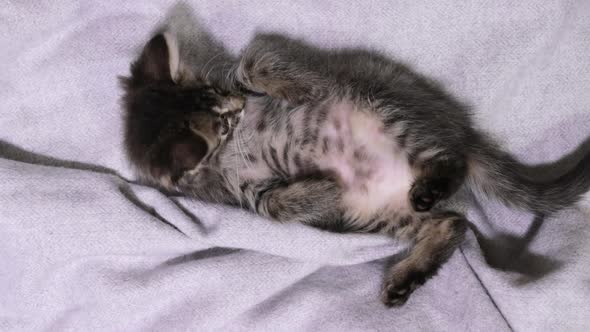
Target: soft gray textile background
84 249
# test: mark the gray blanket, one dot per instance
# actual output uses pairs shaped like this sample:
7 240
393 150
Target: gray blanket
85 248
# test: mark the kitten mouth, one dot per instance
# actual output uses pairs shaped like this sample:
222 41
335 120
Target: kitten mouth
230 120
226 125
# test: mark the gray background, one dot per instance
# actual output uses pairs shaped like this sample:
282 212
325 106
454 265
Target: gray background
83 248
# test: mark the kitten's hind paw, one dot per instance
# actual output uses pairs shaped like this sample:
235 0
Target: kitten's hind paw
396 291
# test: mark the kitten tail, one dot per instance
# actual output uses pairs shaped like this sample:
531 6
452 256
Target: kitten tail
497 174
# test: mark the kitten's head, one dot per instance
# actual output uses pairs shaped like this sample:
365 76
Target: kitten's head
174 122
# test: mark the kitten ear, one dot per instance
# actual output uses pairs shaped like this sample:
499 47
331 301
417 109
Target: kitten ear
159 60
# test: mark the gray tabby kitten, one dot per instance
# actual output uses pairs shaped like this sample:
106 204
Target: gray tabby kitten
344 140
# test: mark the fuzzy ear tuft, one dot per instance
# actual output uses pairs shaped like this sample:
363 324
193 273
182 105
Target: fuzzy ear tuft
173 56
158 61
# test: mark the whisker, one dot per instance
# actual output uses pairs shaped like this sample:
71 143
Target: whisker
213 66
239 142
237 166
208 62
229 81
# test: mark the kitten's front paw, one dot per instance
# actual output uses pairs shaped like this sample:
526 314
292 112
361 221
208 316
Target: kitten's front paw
425 193
254 72
399 286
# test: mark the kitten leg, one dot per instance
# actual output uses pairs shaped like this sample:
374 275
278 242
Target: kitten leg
439 177
315 202
282 68
435 240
